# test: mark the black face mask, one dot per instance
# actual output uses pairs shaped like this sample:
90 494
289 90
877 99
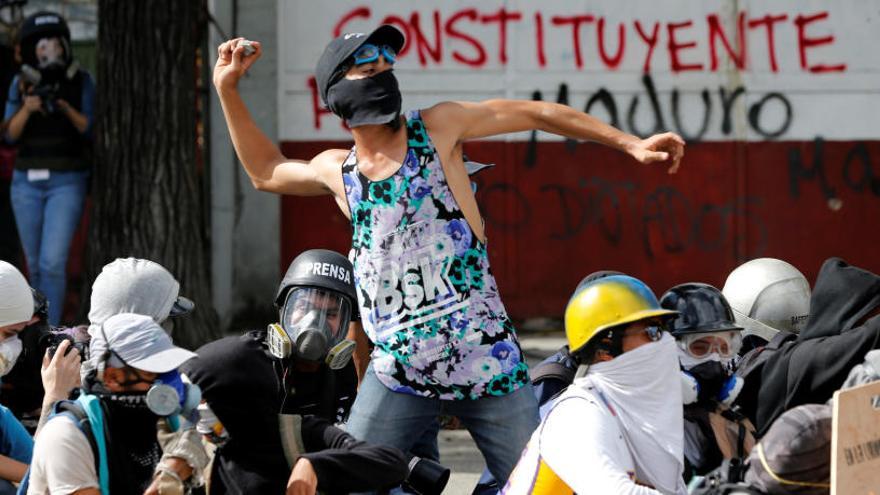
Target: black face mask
133 432
711 376
371 100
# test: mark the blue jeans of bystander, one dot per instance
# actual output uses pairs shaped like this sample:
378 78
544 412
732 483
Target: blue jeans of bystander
47 213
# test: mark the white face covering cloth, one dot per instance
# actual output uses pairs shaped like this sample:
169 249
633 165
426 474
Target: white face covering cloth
644 388
10 349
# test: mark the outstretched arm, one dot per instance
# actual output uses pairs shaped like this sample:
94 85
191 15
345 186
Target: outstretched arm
460 121
267 168
337 462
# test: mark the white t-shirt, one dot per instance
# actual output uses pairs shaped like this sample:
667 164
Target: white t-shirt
580 443
63 460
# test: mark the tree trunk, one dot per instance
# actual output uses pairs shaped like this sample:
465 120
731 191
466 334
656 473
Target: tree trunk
148 190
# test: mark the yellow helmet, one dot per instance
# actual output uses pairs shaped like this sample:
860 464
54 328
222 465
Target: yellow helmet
605 303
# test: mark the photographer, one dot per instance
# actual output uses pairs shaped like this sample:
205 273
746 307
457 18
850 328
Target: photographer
111 444
49 114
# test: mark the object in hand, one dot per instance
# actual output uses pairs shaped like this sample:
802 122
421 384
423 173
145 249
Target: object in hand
36 85
248 48
54 339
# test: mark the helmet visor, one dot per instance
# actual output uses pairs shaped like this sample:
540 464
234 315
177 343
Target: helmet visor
309 308
699 345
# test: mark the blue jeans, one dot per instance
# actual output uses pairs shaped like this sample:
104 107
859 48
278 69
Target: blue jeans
47 213
500 426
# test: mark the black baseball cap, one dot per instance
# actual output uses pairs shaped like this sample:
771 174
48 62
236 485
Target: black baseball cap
340 49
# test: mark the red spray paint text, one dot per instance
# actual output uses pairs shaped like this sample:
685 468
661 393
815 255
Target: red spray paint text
435 37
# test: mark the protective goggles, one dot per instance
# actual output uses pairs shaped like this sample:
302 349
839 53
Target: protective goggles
369 52
310 308
725 344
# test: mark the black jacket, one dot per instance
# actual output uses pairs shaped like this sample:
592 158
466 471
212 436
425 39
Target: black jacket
242 385
810 369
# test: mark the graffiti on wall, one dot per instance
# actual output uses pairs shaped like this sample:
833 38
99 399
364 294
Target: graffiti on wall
776 103
700 64
607 42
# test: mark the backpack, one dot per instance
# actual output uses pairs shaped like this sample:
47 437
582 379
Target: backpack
87 415
754 359
750 367
553 375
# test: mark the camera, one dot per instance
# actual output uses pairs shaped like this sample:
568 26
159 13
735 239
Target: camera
39 86
426 477
54 339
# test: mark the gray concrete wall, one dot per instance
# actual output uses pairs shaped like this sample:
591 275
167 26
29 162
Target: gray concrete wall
244 222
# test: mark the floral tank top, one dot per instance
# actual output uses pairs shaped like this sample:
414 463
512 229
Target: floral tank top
428 300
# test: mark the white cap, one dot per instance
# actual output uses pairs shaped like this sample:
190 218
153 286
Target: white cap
131 285
140 342
16 297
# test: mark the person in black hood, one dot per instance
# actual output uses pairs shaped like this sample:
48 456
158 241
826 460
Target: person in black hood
271 397
843 327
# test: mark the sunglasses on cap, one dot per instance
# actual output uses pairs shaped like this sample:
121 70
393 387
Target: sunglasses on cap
698 345
654 332
369 52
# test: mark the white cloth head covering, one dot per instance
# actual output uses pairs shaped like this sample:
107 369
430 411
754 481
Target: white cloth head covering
644 388
131 285
16 297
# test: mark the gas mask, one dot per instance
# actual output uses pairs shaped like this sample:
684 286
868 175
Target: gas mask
50 54
10 349
712 379
314 323
173 394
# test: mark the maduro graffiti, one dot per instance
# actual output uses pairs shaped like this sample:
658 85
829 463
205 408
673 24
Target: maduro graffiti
721 101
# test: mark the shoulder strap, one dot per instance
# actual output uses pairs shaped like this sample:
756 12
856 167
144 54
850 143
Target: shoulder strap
552 371
559 366
75 412
91 407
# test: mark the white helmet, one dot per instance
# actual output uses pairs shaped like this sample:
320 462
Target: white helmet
768 295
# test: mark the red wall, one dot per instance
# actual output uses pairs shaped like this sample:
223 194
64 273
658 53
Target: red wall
573 209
